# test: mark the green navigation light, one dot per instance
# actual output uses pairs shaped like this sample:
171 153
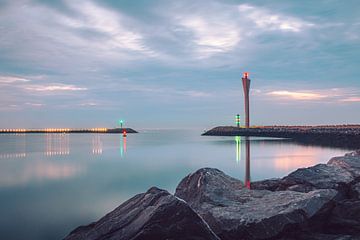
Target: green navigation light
237 120
121 123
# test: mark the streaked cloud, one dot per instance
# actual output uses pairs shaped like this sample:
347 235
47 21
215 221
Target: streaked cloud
351 99
332 95
12 79
34 104
297 95
268 20
55 88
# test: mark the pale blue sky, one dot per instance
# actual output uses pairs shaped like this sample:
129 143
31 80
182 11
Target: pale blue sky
178 64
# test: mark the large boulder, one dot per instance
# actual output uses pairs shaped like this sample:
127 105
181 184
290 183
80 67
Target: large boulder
350 162
235 212
355 191
320 176
345 217
155 214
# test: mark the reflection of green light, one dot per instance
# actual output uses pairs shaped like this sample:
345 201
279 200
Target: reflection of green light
121 147
238 148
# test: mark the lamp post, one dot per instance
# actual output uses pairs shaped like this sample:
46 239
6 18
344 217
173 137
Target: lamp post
246 86
121 123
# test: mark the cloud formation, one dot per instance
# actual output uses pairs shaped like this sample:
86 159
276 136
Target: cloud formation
125 58
270 21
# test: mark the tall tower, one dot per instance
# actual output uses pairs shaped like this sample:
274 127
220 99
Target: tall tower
246 87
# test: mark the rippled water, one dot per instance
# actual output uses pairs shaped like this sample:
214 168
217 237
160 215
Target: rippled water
52 183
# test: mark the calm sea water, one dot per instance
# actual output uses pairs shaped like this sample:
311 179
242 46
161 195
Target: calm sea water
52 183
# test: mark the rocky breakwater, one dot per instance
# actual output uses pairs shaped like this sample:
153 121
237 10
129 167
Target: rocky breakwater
319 202
155 214
343 136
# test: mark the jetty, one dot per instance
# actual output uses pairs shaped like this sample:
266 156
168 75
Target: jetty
68 130
344 136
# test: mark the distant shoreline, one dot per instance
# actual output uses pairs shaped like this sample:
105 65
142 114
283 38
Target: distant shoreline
344 136
67 130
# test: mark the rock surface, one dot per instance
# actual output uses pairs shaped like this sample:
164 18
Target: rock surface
321 176
155 214
235 212
345 217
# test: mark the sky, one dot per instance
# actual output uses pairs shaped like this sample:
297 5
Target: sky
178 64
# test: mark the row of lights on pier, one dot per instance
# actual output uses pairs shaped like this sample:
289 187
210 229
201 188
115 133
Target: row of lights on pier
98 129
13 130
57 129
22 130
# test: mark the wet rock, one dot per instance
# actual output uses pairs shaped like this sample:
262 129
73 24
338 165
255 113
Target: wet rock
234 212
345 217
321 176
155 214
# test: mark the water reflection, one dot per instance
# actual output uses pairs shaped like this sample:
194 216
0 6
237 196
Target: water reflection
14 149
247 180
97 146
247 163
122 145
57 144
238 148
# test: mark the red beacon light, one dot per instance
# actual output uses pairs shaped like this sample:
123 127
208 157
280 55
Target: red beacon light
124 133
246 75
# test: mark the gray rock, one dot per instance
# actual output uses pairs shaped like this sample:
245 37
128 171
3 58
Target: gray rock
321 176
320 236
268 184
355 191
155 214
350 162
234 212
345 217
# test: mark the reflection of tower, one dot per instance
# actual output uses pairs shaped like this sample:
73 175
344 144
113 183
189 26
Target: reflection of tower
247 163
246 87
238 148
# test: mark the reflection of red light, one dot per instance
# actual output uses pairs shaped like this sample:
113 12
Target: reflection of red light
124 143
246 74
248 184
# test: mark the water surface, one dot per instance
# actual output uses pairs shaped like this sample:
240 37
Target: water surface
52 183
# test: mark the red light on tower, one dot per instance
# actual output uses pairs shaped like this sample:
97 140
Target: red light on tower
246 75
